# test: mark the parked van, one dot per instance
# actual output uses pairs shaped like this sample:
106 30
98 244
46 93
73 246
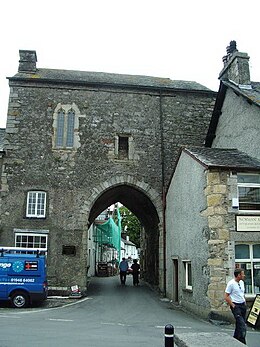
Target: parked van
23 278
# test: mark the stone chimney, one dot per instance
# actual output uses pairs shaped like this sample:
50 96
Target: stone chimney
27 62
236 67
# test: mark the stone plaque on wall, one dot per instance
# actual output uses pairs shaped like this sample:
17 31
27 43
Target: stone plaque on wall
69 250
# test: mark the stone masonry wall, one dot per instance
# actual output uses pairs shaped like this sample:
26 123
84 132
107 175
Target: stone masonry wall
158 125
220 219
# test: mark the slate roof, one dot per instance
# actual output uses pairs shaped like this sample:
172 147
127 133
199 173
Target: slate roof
223 158
130 243
110 79
2 134
252 94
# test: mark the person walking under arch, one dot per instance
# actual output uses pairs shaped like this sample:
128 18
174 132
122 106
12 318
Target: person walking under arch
135 272
123 267
235 297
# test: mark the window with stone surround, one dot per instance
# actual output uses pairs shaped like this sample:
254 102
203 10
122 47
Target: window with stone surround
249 192
124 147
188 274
247 257
65 126
36 204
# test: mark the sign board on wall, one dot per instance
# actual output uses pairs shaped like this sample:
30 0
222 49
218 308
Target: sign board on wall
254 311
248 223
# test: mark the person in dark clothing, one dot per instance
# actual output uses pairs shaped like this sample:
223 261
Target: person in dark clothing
123 267
135 272
235 297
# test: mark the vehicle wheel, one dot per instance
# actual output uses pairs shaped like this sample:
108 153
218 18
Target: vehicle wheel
19 300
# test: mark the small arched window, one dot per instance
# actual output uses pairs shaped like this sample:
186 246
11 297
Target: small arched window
60 128
70 128
66 127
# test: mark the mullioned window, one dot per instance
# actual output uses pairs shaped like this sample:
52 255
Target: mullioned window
65 126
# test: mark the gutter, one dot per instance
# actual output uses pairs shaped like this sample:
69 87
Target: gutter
163 195
158 89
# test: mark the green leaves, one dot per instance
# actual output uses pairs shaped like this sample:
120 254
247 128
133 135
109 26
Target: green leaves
130 225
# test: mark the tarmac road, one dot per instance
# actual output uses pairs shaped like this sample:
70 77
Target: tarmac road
111 316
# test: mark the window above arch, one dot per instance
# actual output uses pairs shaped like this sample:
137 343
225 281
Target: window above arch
65 126
124 147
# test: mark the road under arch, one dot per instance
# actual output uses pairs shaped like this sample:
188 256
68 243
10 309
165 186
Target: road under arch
141 205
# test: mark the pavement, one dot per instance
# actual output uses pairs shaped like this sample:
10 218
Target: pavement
59 301
204 339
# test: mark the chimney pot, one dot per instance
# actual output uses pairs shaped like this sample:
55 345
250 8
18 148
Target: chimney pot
236 66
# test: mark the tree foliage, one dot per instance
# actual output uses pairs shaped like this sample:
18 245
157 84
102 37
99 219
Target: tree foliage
130 225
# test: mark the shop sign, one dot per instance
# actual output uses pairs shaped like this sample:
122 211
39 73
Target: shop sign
248 223
254 311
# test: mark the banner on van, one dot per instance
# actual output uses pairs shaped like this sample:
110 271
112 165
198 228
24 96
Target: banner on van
31 266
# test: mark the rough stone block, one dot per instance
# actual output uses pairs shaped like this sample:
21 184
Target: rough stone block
206 339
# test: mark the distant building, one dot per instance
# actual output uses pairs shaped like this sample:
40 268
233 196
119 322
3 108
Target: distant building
128 250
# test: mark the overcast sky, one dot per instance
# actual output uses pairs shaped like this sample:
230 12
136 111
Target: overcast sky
181 40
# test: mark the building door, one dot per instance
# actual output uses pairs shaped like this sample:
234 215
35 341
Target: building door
175 281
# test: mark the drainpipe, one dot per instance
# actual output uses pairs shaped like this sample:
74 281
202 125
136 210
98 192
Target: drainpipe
163 195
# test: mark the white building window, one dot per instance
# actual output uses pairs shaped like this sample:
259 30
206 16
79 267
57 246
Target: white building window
31 240
36 204
188 274
248 258
249 192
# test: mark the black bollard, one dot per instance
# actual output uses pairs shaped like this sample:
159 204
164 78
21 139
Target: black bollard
169 335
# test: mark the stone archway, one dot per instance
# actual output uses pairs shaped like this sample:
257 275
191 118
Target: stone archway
145 203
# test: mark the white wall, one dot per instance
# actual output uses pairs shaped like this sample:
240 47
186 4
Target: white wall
186 231
239 125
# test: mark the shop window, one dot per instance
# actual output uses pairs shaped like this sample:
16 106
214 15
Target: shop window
248 258
249 192
36 204
188 274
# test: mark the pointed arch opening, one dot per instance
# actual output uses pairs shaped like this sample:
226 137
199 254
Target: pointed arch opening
143 208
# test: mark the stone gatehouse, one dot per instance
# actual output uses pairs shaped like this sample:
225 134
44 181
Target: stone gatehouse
76 142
